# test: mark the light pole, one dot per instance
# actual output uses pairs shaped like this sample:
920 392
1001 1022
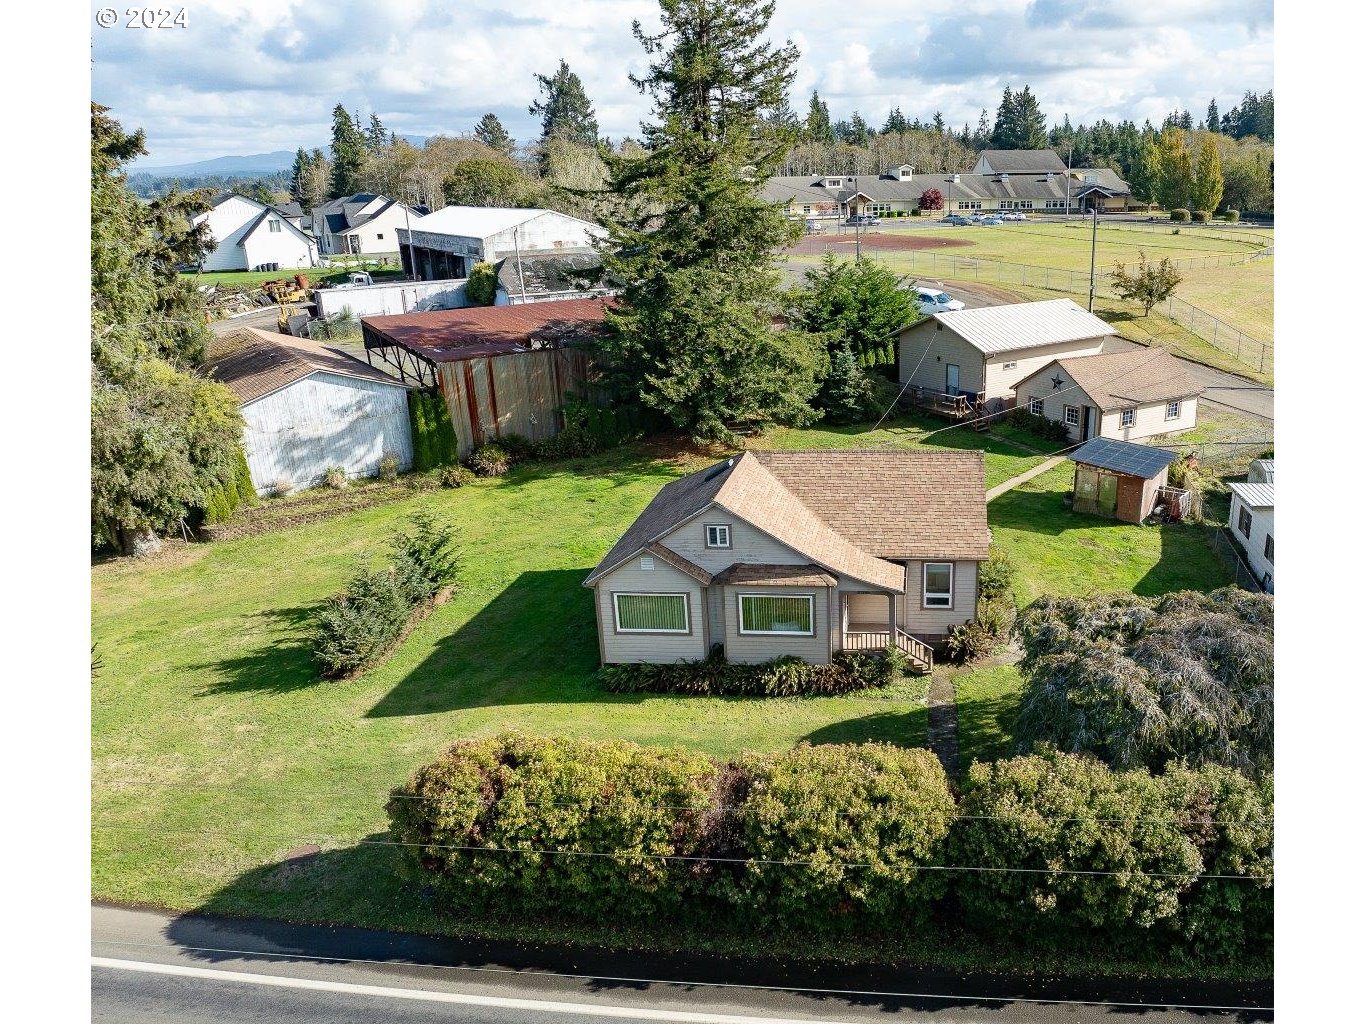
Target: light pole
1068 179
952 180
1094 231
407 220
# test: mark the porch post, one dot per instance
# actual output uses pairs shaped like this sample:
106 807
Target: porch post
891 607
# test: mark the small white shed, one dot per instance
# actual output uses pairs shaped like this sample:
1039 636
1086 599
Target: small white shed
309 407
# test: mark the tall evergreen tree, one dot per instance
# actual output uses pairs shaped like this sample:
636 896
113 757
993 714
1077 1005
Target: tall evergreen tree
1211 120
982 136
693 334
895 122
564 110
376 136
819 128
298 175
348 152
492 134
858 132
1174 175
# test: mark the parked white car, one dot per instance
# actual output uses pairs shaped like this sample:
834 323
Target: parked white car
1014 216
932 301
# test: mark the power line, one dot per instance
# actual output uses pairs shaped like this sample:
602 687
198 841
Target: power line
277 954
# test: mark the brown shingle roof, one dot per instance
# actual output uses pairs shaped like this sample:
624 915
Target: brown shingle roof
255 363
684 565
847 511
903 505
1122 379
750 574
448 335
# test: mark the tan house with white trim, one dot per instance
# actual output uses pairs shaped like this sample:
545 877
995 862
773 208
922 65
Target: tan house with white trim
798 553
1123 395
972 359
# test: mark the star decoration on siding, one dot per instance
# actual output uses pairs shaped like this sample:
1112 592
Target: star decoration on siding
1056 382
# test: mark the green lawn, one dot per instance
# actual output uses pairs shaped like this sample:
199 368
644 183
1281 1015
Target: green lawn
987 702
315 275
216 751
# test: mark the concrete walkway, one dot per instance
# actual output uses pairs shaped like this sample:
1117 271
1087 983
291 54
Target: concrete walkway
1015 481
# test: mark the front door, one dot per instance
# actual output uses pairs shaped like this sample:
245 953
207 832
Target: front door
1108 500
1086 433
954 372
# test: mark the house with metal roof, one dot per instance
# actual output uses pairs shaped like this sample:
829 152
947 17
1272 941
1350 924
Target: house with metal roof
364 223
309 407
446 244
798 553
1124 395
1251 518
968 362
1122 480
247 234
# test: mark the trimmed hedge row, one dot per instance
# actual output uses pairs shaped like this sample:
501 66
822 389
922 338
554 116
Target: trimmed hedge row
837 837
781 677
223 500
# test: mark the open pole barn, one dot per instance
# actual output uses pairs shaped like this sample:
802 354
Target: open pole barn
501 369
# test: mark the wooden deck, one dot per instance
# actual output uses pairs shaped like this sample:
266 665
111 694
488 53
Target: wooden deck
867 637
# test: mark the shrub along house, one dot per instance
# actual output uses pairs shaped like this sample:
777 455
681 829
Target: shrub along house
805 554
1123 395
968 362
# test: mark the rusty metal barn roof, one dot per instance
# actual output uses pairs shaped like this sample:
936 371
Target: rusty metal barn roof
449 335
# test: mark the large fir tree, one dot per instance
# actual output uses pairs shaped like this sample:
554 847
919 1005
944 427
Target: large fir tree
564 110
492 134
694 332
819 128
348 153
376 135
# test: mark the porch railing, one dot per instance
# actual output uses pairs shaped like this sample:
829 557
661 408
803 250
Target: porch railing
871 640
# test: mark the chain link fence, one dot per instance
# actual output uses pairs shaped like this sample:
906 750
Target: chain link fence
1226 549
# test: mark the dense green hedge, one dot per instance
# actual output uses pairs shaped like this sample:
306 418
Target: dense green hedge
781 677
221 501
838 838
433 434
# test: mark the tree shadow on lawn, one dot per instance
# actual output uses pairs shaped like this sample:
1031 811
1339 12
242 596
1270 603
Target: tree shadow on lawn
900 728
535 642
282 664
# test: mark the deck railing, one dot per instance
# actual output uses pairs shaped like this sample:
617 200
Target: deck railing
872 640
957 407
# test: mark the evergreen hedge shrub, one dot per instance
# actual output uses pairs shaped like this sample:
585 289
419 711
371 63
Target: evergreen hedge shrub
222 501
1180 215
1201 216
433 434
781 677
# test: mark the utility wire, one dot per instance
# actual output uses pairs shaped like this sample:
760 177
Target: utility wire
277 955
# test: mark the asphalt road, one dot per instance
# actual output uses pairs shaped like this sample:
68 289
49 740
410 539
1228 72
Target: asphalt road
149 967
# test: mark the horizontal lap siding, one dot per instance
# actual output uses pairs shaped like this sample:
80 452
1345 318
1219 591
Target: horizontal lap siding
662 648
749 649
935 622
930 370
1055 400
1150 420
325 420
1001 382
747 544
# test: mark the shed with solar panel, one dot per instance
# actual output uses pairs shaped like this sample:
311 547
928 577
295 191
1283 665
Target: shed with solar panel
1122 480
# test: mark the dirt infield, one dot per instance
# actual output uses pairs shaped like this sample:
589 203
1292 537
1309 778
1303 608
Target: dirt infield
877 240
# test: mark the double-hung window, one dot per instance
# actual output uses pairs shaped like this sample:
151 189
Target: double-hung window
1244 523
780 614
1173 410
274 226
651 613
1035 406
1126 418
938 584
1269 548
717 535
1072 415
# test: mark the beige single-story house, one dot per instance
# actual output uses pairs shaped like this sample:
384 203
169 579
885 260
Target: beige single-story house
1123 395
971 360
1119 479
798 553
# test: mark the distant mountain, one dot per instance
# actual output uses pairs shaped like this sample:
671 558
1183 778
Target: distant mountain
259 165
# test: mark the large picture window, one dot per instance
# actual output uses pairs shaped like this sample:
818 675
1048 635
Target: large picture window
938 584
777 613
651 613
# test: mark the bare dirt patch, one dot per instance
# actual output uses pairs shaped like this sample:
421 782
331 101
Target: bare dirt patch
877 240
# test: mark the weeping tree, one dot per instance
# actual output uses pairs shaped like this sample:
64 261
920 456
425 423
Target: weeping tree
1141 682
693 240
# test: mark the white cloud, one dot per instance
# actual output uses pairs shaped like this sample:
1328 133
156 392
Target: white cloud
250 76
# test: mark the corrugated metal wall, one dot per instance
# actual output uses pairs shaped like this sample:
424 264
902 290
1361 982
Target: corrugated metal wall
517 393
325 420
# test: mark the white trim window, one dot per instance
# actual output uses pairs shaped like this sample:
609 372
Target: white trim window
938 585
651 613
274 226
777 614
1035 406
1173 410
1126 418
1071 415
1244 523
1012 364
717 535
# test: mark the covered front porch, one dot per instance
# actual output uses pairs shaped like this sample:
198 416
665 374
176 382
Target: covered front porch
862 632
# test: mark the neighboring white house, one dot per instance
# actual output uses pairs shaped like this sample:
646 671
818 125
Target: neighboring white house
364 223
1122 395
978 356
1252 519
249 235
804 554
447 243
309 407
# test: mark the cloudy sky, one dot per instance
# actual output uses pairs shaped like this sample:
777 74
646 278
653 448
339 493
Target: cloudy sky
253 76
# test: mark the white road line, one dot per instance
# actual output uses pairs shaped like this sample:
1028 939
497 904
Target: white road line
386 992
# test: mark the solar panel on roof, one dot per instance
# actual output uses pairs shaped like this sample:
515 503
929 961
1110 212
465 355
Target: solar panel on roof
1123 457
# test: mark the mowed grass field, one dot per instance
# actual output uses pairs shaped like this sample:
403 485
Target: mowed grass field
315 275
216 751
